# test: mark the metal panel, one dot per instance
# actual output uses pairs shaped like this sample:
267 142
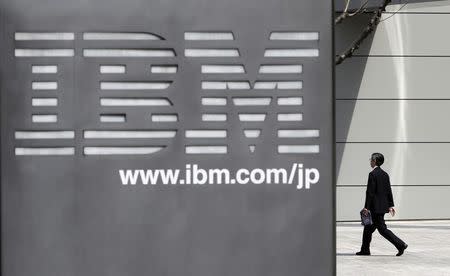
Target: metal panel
392 121
356 4
407 163
409 35
439 6
393 78
406 61
399 35
410 202
65 211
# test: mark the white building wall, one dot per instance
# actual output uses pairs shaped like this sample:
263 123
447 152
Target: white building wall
394 98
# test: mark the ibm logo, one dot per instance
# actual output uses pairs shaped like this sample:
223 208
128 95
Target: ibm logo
135 78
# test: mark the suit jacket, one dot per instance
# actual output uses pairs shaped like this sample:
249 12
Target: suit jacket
378 193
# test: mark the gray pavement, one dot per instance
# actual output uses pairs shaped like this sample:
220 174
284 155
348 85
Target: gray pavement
428 252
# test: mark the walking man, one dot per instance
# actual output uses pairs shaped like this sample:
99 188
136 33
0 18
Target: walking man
379 201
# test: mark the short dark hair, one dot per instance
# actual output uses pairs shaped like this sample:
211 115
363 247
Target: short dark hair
378 158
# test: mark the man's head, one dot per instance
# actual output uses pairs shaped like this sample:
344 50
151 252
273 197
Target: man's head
377 159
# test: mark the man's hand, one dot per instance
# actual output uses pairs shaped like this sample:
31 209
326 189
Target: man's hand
392 211
365 211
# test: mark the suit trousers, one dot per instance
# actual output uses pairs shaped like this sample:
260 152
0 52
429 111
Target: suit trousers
378 223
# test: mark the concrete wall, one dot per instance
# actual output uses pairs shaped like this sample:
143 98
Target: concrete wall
394 98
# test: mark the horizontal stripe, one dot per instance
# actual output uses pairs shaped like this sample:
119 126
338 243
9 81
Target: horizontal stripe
206 149
392 121
208 36
400 35
44 52
121 150
128 134
43 36
120 36
128 53
45 151
393 78
45 134
350 200
420 7
407 164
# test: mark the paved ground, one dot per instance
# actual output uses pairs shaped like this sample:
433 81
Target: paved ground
428 252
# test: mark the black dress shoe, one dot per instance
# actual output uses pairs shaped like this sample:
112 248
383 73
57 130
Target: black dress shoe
362 253
400 251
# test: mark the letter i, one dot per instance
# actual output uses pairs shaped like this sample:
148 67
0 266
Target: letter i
188 173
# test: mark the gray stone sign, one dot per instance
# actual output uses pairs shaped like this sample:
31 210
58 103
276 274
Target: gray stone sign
167 138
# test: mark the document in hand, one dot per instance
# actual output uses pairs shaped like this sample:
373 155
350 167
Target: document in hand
366 219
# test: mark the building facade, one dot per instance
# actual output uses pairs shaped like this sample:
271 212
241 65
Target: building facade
392 97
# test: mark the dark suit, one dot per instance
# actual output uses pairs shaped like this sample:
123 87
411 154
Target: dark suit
378 200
